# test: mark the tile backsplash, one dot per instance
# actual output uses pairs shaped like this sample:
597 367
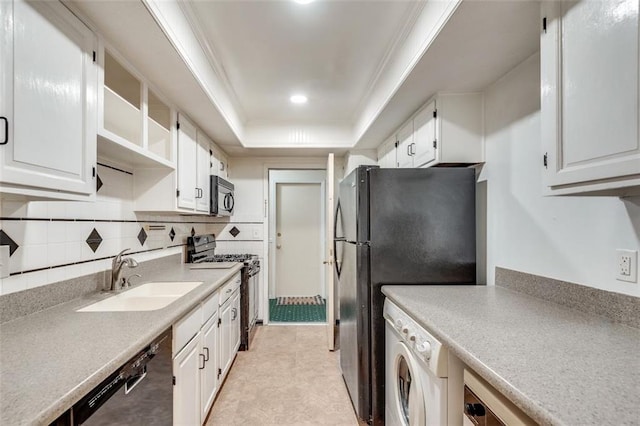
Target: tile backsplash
51 241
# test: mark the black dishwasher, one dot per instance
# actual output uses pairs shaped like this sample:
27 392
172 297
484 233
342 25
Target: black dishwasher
140 392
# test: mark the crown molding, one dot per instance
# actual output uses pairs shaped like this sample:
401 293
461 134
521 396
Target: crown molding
212 56
408 22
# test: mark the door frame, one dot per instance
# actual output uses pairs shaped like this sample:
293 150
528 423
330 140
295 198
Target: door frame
318 167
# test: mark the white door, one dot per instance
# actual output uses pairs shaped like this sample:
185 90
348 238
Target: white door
209 375
187 160
186 391
204 165
404 153
329 256
424 136
298 239
48 91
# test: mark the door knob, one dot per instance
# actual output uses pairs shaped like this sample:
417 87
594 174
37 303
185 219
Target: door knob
278 246
328 262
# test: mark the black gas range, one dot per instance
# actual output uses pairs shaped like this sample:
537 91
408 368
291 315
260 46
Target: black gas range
201 249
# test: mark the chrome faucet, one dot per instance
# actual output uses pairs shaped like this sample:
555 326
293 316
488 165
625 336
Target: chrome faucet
116 269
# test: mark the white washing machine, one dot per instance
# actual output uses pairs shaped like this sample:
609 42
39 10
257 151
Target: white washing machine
416 373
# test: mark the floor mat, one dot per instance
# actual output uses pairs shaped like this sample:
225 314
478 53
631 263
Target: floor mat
296 313
306 300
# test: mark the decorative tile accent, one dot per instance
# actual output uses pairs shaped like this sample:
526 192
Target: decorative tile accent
142 236
94 240
193 231
5 240
172 234
234 231
98 183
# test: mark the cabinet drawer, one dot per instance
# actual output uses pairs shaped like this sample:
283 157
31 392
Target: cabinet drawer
210 306
227 289
186 328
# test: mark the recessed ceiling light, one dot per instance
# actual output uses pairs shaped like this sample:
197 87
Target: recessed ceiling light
298 99
303 1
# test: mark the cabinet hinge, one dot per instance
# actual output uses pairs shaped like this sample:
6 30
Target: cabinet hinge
174 380
94 56
219 321
210 153
544 24
396 144
435 113
219 372
435 144
544 160
177 192
94 171
178 125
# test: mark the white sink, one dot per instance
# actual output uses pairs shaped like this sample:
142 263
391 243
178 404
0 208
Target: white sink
147 297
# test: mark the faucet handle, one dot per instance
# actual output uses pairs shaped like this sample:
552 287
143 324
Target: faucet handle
127 281
116 258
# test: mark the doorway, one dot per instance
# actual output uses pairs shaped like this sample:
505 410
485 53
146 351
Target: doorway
297 291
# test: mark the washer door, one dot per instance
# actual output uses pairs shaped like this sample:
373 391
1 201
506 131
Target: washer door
408 396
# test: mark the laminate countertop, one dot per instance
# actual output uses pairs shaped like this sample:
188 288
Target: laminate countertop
50 359
560 366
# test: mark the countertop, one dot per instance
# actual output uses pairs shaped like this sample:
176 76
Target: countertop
560 366
50 359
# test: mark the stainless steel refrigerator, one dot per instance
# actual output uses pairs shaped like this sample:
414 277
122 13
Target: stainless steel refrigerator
395 226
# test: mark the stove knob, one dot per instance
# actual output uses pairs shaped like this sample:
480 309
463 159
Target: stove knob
399 324
424 349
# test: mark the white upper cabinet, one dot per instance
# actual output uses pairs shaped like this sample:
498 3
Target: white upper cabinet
424 136
203 169
447 130
134 121
405 150
387 154
219 163
187 161
48 91
590 95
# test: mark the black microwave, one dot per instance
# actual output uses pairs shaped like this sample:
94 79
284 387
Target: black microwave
222 201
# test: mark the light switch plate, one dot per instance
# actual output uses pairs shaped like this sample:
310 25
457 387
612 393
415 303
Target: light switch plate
627 265
4 261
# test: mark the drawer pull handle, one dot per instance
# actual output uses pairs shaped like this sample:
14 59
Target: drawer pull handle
203 362
207 355
6 130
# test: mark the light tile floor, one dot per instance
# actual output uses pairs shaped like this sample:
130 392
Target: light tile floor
287 378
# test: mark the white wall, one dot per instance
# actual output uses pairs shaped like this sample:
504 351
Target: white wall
566 238
52 235
356 158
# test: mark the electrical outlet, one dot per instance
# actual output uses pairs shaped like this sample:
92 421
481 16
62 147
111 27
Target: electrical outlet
627 265
256 234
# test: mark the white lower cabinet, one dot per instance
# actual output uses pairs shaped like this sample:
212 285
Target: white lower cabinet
205 342
186 390
209 374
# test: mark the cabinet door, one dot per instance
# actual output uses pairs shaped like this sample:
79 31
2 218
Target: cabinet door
186 391
187 160
387 154
589 71
235 323
203 167
225 337
48 91
424 136
209 375
404 153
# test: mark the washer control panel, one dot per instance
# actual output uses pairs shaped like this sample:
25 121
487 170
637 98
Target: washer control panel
424 346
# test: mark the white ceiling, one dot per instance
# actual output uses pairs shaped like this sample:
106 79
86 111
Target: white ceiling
365 65
328 50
